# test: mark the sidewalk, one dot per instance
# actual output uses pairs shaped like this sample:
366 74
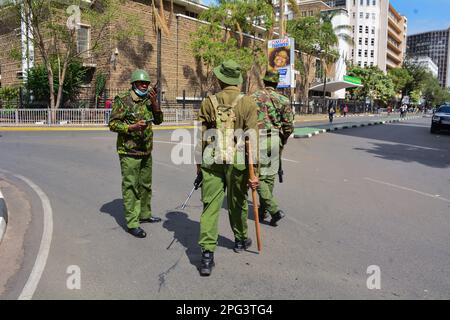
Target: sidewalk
308 132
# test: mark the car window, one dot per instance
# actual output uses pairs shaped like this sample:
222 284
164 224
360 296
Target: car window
444 109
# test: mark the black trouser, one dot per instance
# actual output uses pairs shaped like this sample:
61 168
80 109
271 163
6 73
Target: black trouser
330 115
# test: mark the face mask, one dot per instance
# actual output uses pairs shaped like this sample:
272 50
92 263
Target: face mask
139 92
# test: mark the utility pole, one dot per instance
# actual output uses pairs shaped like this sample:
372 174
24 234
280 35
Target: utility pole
158 64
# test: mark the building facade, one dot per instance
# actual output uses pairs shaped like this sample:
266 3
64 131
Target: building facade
379 32
182 74
436 45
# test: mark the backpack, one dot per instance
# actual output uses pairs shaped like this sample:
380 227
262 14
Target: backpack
225 119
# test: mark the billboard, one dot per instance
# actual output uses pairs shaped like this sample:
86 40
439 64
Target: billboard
281 59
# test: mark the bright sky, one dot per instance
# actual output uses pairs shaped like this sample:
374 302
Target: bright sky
423 15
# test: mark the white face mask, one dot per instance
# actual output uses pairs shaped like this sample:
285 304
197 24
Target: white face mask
139 92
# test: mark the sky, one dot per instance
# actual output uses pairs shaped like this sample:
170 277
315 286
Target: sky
423 15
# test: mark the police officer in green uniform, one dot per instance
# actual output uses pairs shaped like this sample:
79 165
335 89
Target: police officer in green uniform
218 177
132 116
276 119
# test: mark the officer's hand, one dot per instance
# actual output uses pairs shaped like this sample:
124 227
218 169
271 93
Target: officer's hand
153 95
253 183
138 126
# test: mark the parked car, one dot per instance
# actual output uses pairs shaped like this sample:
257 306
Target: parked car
441 119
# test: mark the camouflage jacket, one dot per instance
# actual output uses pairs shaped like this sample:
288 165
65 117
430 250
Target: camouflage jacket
128 109
274 112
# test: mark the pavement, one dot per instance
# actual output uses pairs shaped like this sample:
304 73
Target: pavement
372 196
310 131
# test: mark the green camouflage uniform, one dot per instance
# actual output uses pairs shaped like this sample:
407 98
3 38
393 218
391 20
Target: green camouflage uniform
134 149
230 177
274 112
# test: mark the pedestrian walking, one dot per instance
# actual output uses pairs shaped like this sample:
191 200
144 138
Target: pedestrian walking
345 110
223 114
132 116
331 111
276 119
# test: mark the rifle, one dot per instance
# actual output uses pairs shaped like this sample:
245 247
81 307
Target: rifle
197 183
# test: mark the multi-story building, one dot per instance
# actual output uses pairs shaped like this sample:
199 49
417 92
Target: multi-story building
428 64
379 32
436 45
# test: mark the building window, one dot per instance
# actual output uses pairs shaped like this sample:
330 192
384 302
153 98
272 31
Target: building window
359 52
374 2
373 30
365 64
360 29
368 2
354 14
359 63
365 53
372 53
367 15
360 41
191 14
353 52
303 13
372 42
366 41
367 29
371 64
361 2
83 35
361 15
373 16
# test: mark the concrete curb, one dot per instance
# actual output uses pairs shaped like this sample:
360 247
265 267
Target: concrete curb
3 216
354 125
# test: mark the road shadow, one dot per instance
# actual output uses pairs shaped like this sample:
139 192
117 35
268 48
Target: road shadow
186 232
407 143
115 209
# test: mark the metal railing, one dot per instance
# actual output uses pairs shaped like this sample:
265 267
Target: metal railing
79 117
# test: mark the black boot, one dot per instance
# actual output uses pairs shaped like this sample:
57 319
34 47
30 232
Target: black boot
276 217
137 232
241 245
207 263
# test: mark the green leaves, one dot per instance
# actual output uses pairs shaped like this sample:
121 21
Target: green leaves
376 85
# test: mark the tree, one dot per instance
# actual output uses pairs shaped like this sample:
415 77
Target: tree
38 87
376 85
223 37
54 27
306 33
400 78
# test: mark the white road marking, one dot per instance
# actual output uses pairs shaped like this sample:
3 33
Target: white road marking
409 189
46 240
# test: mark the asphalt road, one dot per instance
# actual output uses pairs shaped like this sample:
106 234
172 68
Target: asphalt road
354 198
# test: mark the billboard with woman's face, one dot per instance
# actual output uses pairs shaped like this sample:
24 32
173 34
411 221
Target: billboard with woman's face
281 59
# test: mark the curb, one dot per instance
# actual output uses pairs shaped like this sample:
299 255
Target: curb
354 125
3 216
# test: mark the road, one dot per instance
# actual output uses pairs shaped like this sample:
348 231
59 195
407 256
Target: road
374 196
